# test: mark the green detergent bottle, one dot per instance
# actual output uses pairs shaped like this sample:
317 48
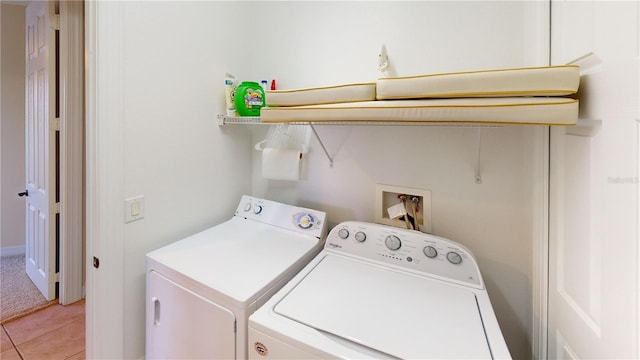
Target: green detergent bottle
249 99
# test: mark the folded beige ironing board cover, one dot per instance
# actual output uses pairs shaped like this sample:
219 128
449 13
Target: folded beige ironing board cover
510 110
533 95
533 81
322 95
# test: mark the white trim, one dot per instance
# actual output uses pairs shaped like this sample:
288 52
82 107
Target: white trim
71 151
12 250
104 179
0 113
540 261
637 260
540 251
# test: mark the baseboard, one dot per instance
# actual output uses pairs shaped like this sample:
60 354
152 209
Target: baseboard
12 250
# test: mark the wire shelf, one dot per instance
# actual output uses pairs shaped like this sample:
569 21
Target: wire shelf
255 120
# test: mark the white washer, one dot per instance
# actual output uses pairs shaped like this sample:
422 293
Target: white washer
381 292
202 289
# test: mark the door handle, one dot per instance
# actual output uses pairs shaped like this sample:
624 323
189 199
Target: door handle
156 310
24 193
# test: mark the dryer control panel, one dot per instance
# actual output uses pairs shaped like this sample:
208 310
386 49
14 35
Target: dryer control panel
411 250
294 218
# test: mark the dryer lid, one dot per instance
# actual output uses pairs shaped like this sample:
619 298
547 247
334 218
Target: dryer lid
399 314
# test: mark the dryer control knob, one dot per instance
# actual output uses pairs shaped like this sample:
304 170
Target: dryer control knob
343 233
454 257
305 221
247 207
360 236
393 242
257 209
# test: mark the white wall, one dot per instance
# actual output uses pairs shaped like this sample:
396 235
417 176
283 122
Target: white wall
191 172
311 44
12 235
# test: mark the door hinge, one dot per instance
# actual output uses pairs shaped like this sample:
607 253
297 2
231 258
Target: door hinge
57 208
56 277
55 122
55 21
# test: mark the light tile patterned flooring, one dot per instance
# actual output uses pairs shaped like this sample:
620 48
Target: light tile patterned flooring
56 332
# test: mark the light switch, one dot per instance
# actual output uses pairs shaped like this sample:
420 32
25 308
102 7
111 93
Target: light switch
134 209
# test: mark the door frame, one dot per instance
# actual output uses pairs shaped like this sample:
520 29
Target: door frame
71 151
104 178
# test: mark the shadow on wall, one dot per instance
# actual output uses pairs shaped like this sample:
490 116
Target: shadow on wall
517 335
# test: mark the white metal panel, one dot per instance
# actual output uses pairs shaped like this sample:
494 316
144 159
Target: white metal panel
183 325
263 346
40 152
408 311
238 258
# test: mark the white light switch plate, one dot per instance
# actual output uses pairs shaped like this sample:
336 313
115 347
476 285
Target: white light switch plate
133 209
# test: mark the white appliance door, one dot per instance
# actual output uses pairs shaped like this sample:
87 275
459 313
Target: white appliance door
396 314
183 325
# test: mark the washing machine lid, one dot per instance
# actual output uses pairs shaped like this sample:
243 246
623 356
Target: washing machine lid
396 313
238 258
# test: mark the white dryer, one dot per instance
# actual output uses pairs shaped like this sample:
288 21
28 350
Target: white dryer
381 292
202 289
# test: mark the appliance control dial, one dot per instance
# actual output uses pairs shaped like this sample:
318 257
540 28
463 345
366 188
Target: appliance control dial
430 252
247 207
454 257
393 242
257 209
360 236
305 221
343 233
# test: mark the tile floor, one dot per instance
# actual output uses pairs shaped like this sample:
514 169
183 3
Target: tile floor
56 332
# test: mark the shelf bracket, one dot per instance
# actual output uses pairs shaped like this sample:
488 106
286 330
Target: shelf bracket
478 177
585 128
321 144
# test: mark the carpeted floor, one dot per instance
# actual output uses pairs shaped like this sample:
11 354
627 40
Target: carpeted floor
18 295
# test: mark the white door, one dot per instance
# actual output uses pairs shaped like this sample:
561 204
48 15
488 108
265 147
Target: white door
593 243
40 148
183 325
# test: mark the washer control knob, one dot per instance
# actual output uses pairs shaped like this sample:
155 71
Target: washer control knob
430 252
393 242
306 221
257 209
343 233
247 207
454 257
360 236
